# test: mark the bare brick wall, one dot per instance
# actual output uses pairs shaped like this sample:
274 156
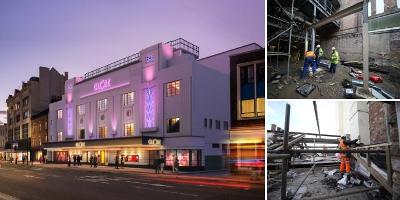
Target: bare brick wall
377 122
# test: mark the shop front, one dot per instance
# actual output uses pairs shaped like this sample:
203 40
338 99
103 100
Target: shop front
135 151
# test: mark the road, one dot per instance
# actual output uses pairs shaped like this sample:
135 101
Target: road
21 182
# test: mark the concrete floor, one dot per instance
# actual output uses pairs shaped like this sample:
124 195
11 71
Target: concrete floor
314 186
22 182
328 85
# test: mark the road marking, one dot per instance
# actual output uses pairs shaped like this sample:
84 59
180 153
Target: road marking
167 191
7 197
152 184
30 176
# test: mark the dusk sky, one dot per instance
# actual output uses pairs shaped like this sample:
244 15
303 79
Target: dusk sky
79 36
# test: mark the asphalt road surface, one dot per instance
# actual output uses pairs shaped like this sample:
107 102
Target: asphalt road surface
21 182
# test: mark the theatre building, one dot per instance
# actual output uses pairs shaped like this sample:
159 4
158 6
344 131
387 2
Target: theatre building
160 101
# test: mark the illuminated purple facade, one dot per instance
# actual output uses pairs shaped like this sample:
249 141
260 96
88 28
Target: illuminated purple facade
143 106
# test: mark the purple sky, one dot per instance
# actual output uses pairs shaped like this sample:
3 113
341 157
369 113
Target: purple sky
79 36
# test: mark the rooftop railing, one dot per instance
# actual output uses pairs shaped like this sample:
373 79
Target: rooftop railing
179 43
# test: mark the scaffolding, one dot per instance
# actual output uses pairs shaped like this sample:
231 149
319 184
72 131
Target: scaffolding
329 15
288 146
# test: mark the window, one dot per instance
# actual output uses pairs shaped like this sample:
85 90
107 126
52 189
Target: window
102 105
173 88
17 106
251 89
210 123
127 99
129 129
25 131
59 114
369 9
25 101
102 132
40 126
380 6
217 124
81 109
205 122
173 125
26 115
17 118
226 127
59 136
398 3
82 134
215 146
45 125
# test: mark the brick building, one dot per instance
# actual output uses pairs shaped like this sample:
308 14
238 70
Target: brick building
385 116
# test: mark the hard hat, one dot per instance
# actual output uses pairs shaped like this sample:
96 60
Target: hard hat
318 46
333 48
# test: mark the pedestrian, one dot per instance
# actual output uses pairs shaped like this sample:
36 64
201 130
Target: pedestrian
79 160
173 163
91 161
23 159
318 53
74 157
162 164
116 161
176 163
308 60
69 161
334 60
156 165
95 161
122 161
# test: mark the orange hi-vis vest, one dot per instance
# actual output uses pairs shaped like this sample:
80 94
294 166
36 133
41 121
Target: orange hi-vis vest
309 54
342 146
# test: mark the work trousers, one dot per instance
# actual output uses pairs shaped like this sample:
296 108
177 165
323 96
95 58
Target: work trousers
333 68
344 163
307 63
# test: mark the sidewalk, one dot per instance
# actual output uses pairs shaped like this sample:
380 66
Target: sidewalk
214 175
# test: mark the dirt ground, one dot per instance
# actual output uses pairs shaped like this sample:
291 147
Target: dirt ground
328 85
315 186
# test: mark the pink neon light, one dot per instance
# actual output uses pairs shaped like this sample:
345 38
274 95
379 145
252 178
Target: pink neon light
110 88
69 93
114 125
101 85
149 115
69 121
149 73
167 51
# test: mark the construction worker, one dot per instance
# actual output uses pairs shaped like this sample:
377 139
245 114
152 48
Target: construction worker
334 60
345 157
309 59
318 53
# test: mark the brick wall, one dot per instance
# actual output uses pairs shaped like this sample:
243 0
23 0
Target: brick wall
377 122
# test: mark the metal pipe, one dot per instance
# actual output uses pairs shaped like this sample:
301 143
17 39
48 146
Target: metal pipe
306 41
290 40
291 142
291 151
280 133
316 117
313 31
341 194
340 14
365 45
278 156
336 151
304 179
285 162
276 36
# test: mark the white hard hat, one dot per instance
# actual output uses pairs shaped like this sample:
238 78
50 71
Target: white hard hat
318 46
333 48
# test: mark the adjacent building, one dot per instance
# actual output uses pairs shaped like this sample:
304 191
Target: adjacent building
33 97
3 140
39 134
162 101
247 88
